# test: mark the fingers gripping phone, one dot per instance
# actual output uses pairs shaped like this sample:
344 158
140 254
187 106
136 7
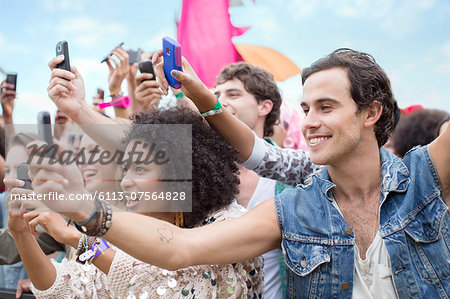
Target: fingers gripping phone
146 66
110 52
172 60
22 174
11 78
45 131
62 48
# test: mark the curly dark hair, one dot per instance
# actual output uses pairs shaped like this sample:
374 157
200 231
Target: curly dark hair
417 128
214 171
368 83
260 83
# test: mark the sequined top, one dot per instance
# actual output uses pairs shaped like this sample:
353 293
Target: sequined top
131 278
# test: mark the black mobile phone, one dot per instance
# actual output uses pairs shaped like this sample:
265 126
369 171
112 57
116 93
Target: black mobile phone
101 93
146 66
134 56
11 78
110 52
45 131
63 48
22 174
44 127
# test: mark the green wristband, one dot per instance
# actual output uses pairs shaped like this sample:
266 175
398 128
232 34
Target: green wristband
215 110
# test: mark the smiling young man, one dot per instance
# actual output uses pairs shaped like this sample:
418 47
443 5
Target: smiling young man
369 225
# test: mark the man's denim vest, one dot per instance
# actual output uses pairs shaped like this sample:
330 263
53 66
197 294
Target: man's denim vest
414 224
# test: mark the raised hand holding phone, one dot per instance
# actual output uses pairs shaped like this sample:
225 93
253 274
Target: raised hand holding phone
147 89
172 60
192 86
8 95
119 71
66 88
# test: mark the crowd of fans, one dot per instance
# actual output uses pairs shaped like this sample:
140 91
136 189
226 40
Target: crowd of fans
271 212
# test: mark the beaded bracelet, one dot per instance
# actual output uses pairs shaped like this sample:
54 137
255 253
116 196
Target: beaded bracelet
116 93
106 219
80 244
86 253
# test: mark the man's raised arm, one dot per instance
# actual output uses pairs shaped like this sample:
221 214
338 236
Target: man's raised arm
66 89
440 153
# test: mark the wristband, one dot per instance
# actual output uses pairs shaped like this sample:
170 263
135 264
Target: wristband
80 244
123 102
94 225
101 222
115 93
89 219
215 110
83 253
99 247
179 95
106 218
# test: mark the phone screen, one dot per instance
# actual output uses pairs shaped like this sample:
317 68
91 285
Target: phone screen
11 79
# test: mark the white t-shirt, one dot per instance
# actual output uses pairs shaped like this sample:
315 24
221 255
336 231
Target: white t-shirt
265 189
373 276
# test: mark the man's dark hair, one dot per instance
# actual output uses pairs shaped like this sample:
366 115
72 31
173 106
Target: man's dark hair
368 83
260 83
417 128
214 171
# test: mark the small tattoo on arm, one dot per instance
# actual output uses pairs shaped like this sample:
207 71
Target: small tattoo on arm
165 233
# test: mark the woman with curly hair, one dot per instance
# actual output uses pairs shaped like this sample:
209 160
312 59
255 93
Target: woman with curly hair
213 177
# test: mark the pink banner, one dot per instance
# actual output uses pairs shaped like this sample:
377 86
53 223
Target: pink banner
204 33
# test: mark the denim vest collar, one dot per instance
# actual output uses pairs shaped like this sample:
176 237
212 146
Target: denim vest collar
394 175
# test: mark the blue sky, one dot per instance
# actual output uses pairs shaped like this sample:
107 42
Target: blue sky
409 39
